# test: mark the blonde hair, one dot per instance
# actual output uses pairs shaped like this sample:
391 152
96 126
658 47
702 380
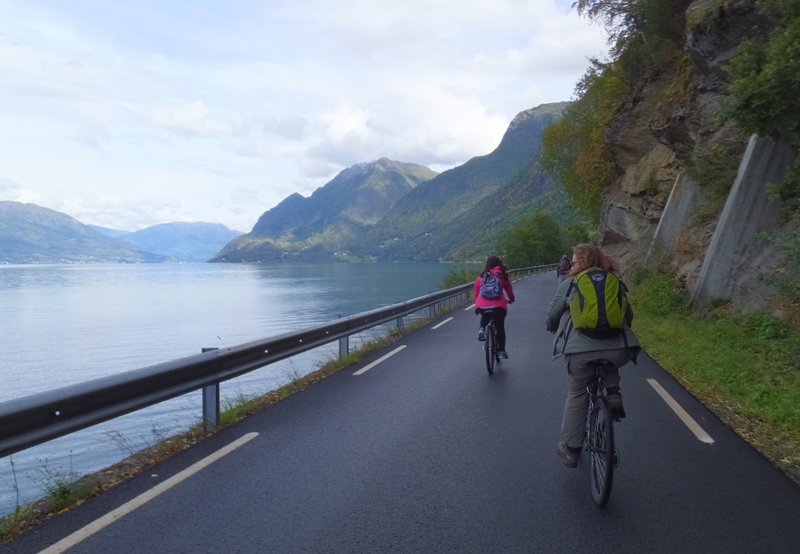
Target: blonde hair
589 255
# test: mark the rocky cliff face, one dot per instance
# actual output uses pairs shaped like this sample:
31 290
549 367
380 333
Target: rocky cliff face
667 125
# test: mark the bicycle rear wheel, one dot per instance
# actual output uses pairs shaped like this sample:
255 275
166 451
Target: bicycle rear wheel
601 450
489 347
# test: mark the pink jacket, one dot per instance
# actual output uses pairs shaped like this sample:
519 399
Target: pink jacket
481 302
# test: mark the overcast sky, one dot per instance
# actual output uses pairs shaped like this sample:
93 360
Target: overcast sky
131 113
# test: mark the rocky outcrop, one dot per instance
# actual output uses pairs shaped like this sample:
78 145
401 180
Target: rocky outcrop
666 126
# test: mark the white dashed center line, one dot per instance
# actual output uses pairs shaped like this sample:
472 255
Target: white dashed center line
131 505
442 323
379 360
681 413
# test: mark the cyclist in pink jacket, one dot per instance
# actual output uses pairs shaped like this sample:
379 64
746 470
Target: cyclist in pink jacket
490 287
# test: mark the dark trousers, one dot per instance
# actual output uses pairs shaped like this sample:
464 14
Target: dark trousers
499 315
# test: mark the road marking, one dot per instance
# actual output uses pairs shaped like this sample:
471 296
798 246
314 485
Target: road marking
128 507
442 323
468 308
379 360
681 413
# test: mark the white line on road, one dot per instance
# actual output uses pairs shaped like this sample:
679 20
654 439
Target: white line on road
379 360
681 413
442 323
468 308
128 507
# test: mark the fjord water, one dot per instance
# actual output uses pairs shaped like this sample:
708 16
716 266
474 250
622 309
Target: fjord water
67 324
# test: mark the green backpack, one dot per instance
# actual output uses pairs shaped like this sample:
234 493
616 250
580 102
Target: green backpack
598 308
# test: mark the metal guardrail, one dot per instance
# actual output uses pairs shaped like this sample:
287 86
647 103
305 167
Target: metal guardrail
38 418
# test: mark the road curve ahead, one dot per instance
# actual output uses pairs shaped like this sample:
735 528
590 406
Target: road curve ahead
426 452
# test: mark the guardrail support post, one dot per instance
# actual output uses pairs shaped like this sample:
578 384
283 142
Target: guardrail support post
344 347
210 404
400 326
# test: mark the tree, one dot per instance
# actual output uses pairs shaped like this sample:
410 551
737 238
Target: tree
766 78
536 241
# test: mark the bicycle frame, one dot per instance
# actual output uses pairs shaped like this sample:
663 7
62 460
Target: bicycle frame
490 345
599 441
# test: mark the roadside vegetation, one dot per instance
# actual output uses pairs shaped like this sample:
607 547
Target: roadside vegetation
646 39
744 367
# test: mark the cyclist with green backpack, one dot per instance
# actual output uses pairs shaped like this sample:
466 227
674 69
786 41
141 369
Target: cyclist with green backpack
591 318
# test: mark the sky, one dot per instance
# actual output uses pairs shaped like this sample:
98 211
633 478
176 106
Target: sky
128 114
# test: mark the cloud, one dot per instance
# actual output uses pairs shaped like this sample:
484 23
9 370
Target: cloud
12 191
129 213
192 119
283 95
9 185
293 127
94 136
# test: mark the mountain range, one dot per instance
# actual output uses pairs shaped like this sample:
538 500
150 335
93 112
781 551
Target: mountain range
386 210
333 218
34 234
397 211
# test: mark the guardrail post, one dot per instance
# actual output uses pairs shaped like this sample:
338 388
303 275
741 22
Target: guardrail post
400 326
210 403
344 347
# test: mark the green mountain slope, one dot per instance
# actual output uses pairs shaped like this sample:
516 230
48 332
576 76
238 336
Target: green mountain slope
331 218
448 216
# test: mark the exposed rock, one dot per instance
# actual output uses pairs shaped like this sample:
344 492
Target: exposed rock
656 136
714 31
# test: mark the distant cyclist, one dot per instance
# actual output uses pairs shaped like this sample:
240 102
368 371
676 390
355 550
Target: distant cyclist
491 288
562 271
580 350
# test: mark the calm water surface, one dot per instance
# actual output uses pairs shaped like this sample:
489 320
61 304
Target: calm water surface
68 324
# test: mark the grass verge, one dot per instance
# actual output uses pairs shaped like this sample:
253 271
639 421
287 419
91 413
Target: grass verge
64 493
745 368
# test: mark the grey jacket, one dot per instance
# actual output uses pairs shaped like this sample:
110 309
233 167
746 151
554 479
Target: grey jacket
570 341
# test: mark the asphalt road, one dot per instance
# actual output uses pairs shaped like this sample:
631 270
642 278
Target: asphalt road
426 452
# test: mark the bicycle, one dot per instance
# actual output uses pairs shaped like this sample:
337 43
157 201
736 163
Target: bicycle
490 345
599 444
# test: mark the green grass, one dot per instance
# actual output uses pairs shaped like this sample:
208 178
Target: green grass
16 522
744 367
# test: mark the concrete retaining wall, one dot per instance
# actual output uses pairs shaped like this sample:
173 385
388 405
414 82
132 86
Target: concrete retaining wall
684 193
747 211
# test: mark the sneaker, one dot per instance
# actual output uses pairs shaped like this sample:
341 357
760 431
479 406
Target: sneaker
570 455
615 402
503 355
480 334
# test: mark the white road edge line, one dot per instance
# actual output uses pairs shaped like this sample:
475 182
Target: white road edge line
442 323
98 524
379 360
681 413
468 308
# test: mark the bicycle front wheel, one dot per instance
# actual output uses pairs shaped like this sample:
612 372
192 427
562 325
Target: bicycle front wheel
601 450
489 347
